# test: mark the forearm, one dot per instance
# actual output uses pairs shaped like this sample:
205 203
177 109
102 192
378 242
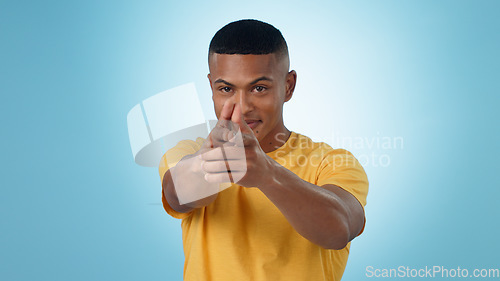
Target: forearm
316 213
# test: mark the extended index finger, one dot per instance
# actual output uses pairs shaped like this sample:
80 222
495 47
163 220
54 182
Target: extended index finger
227 110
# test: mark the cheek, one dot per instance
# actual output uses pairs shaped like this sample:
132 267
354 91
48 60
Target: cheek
271 107
218 104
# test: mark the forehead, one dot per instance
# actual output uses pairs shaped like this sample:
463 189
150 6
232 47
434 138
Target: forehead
241 66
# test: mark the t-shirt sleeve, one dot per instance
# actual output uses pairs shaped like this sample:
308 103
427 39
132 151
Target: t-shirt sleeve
169 160
341 168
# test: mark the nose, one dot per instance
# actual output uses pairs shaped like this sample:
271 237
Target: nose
245 101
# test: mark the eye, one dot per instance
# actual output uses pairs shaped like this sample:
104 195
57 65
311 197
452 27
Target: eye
260 88
225 89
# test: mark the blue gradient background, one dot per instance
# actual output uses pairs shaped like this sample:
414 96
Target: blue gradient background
75 206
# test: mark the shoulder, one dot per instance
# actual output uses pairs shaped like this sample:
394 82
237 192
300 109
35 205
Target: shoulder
188 145
323 156
306 145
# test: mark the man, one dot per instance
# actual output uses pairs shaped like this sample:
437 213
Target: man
296 204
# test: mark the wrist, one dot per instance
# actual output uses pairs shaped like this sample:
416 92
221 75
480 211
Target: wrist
270 174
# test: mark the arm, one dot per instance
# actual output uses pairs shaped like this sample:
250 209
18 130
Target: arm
328 215
168 189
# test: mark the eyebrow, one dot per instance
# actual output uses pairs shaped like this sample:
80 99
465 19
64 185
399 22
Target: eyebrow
262 78
223 81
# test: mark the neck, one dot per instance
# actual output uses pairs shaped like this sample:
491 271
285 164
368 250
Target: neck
275 139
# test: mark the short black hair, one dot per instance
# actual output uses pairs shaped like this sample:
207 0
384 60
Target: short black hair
248 36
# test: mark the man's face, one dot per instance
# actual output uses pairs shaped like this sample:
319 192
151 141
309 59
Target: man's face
259 83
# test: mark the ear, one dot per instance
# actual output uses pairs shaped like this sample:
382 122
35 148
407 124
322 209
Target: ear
291 80
210 81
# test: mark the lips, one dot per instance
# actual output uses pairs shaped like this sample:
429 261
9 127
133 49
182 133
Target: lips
253 123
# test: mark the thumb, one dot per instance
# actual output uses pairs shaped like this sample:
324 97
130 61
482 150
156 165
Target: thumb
208 143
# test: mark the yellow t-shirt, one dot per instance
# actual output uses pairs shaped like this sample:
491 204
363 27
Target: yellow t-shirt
243 236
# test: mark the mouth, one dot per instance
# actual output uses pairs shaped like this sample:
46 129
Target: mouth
253 123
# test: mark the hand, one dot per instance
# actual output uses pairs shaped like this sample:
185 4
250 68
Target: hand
235 155
189 182
191 188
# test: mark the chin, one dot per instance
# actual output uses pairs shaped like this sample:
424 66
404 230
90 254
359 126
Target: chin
260 136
